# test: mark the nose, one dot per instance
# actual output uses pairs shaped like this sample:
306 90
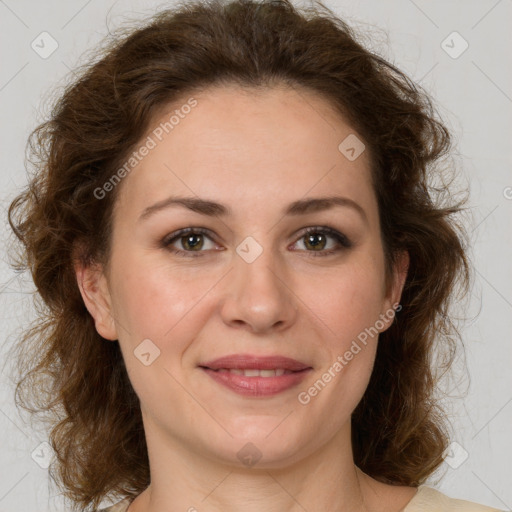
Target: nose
259 295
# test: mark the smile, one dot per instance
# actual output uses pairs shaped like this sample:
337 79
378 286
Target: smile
255 373
256 376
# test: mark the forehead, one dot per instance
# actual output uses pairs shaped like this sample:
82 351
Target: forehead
248 146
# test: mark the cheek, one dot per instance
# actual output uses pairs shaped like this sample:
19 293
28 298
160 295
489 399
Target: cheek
151 300
346 302
349 306
155 303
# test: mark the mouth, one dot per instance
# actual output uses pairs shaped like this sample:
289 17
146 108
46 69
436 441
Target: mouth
256 376
277 372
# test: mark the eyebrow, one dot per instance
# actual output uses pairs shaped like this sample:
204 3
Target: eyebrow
213 209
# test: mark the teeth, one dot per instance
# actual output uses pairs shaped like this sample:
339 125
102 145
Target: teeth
256 373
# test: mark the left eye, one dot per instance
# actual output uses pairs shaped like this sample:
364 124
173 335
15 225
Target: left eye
317 238
315 241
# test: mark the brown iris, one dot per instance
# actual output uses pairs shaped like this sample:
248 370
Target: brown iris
313 240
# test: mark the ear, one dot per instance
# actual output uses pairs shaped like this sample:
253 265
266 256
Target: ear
95 292
394 292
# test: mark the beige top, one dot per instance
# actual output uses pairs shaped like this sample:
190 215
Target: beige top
426 499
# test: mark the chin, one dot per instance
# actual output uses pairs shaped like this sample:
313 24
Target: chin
278 429
265 442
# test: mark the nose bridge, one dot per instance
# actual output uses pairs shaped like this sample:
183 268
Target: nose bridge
259 266
259 296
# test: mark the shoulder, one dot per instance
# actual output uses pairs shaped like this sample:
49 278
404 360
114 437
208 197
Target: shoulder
428 499
118 507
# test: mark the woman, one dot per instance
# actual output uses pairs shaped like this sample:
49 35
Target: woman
245 271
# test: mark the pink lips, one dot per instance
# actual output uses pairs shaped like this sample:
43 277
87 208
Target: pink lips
230 372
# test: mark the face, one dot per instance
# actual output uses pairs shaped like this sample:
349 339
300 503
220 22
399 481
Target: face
268 281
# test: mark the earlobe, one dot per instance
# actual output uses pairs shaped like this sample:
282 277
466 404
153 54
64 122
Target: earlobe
95 293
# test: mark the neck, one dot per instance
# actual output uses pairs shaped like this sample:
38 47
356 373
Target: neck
184 479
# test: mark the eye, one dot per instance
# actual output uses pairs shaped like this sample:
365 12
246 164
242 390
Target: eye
192 240
316 240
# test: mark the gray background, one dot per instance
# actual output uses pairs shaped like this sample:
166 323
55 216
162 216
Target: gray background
474 94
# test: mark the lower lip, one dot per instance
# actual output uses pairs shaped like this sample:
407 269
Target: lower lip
257 386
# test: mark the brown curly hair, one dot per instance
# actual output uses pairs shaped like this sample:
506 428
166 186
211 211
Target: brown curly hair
69 372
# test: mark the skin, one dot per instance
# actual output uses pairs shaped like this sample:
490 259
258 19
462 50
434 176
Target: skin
256 152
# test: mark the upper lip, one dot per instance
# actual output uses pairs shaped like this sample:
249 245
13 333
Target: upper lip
252 362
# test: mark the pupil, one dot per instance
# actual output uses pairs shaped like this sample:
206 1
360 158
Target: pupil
313 238
189 241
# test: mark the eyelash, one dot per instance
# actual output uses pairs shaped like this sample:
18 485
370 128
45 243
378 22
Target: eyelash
344 242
